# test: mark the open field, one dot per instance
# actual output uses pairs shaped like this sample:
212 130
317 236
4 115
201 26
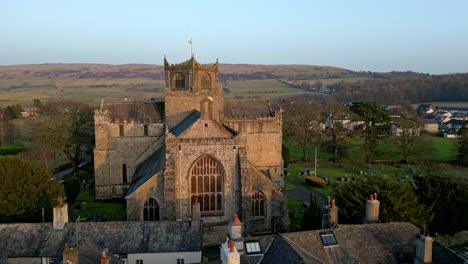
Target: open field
266 89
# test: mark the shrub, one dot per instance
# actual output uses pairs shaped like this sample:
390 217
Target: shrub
315 181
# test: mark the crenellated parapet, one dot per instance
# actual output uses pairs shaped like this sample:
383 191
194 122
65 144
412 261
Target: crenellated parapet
101 116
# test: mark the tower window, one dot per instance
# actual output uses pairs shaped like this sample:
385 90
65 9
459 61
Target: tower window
179 81
121 130
206 81
145 130
124 173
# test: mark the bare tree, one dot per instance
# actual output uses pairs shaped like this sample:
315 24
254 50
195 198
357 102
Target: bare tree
301 123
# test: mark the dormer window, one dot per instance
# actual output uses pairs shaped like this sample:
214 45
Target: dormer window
179 81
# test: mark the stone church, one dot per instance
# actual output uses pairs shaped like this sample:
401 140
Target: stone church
193 147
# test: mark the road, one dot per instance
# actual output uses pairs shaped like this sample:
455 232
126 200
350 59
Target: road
303 194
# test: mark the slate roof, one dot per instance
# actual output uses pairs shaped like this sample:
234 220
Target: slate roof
373 243
135 111
90 253
40 239
247 108
186 123
152 165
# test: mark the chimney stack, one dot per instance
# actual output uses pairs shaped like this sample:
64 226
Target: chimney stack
105 259
70 255
372 209
229 253
423 249
196 214
60 214
235 233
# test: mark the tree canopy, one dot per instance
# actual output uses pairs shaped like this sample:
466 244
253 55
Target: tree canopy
376 121
302 123
25 189
398 201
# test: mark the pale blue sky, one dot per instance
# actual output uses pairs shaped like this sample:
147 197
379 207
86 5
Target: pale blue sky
419 35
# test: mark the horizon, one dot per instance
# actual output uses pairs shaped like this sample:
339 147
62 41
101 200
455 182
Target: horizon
419 36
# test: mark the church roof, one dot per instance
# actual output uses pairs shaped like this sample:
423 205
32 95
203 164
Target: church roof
152 165
40 239
135 111
242 108
186 123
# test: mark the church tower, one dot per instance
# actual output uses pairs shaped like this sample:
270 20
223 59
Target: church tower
186 85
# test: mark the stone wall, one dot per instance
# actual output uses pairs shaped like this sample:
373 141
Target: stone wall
112 151
180 156
154 187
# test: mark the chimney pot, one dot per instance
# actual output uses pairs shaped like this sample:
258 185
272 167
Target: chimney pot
231 247
371 197
67 246
333 202
375 196
328 200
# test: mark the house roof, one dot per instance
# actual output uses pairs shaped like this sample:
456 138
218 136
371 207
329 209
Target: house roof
40 239
247 108
152 165
373 243
135 111
185 123
90 253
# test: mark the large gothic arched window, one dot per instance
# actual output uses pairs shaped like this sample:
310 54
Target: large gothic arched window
258 204
179 79
206 81
206 179
151 210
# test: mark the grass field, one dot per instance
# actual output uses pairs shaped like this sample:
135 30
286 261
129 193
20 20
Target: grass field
111 210
446 149
23 91
267 89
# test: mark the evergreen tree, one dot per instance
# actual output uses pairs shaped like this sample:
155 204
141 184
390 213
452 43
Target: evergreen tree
24 190
398 202
448 199
312 218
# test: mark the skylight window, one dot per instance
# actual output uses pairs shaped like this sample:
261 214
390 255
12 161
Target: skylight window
328 239
252 247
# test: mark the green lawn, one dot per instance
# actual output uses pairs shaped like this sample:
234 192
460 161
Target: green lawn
446 149
296 151
112 210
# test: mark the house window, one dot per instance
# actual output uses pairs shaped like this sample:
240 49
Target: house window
258 204
151 210
180 261
145 130
124 173
206 182
123 256
179 81
139 261
121 130
53 260
206 81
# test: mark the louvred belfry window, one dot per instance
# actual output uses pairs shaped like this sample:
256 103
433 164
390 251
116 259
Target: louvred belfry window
206 179
179 81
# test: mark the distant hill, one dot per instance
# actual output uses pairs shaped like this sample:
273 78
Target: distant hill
235 71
